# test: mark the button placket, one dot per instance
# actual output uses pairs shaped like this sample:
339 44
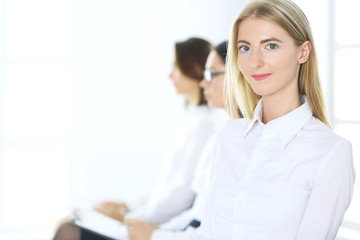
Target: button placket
269 132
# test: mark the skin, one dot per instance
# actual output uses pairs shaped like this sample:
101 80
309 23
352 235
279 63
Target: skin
265 47
212 94
185 85
139 230
115 210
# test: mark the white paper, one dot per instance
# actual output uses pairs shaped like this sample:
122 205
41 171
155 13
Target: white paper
99 223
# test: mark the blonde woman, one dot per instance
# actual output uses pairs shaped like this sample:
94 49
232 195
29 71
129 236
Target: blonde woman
280 173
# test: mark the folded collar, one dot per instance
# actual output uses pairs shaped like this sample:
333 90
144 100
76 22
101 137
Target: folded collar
288 125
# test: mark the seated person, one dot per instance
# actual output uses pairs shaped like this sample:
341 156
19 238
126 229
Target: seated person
173 194
184 225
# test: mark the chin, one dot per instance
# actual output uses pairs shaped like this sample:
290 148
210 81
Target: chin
260 92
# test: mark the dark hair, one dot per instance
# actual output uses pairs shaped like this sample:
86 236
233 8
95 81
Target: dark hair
190 57
221 50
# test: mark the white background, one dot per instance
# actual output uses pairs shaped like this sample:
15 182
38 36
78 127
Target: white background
86 106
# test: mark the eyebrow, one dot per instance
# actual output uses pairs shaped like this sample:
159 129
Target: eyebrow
262 41
243 41
270 40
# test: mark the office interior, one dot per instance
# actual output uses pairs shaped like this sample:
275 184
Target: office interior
86 104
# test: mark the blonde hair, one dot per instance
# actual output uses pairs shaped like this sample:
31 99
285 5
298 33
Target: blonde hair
290 17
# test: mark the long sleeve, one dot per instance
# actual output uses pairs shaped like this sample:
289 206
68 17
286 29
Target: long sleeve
173 193
206 230
183 219
291 178
199 185
330 196
137 202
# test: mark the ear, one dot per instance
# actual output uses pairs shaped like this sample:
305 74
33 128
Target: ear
198 70
305 51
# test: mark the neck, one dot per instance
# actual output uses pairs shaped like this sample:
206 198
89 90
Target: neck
276 106
194 97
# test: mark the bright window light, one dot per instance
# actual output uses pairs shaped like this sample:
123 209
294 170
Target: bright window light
38 103
39 29
36 184
346 18
346 86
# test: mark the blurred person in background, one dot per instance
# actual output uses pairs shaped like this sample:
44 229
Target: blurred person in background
184 226
173 193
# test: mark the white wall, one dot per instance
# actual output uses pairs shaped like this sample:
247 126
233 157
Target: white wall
125 106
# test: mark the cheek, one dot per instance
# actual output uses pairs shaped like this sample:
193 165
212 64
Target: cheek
176 76
287 64
243 66
220 88
240 64
217 92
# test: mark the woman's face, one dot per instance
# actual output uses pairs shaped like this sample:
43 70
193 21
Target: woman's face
213 91
183 84
268 58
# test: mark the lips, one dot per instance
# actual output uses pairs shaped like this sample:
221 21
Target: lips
260 77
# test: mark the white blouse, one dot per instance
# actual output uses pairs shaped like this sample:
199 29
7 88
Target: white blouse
291 178
173 193
172 230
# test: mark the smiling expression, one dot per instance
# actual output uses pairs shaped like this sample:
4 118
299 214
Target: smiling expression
268 58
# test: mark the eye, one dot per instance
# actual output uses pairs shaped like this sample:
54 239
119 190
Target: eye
244 48
271 46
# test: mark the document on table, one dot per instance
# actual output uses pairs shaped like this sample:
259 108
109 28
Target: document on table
98 223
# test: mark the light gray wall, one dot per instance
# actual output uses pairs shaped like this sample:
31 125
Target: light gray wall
125 106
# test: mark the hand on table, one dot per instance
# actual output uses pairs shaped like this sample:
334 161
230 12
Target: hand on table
115 210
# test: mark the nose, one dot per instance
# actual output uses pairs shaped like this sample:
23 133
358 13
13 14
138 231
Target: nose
256 59
204 83
171 73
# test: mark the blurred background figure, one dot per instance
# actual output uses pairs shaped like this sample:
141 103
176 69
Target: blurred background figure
73 71
173 193
184 226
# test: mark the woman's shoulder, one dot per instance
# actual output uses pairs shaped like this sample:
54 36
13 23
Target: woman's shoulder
207 115
235 127
238 123
322 133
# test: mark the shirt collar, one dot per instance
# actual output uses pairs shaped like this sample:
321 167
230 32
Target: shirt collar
288 125
257 116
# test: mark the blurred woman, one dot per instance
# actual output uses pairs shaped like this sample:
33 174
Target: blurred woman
213 87
173 193
280 173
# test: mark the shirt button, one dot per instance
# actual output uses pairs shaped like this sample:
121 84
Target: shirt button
239 197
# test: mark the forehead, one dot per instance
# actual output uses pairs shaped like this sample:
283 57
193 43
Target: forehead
214 59
254 28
